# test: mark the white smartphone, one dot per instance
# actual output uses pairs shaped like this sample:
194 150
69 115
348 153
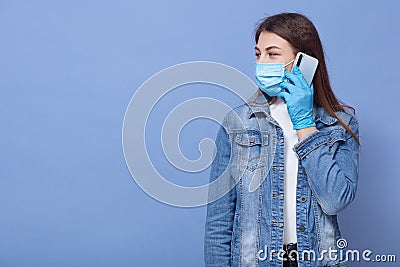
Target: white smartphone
307 65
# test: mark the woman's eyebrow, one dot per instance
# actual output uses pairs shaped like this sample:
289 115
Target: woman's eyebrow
269 47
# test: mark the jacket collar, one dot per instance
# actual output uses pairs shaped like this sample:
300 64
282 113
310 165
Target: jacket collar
259 104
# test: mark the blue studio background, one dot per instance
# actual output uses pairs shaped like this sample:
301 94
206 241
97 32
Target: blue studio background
68 70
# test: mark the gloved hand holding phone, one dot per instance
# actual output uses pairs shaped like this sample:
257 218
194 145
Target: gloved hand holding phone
299 99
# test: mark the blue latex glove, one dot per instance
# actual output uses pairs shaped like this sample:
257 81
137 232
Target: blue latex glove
299 100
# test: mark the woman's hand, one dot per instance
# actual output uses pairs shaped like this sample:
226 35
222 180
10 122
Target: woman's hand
299 100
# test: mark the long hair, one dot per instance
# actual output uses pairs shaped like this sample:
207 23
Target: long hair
301 33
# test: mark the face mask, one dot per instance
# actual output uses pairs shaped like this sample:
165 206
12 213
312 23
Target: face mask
269 76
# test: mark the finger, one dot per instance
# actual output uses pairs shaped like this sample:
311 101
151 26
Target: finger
312 88
290 87
284 95
292 77
297 72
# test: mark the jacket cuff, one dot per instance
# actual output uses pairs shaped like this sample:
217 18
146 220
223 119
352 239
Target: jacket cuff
309 142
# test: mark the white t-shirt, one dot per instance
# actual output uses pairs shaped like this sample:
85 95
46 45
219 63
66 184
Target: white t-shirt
280 114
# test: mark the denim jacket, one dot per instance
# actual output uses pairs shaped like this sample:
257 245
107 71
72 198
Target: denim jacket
245 227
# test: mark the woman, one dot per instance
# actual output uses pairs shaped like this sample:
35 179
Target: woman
300 146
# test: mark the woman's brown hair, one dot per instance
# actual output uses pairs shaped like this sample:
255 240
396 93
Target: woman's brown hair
301 33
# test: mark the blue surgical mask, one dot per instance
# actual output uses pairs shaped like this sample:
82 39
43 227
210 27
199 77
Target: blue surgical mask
269 76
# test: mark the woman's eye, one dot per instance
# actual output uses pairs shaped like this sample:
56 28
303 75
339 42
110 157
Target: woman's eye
257 55
272 54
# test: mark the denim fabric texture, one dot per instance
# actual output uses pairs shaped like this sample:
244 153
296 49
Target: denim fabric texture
245 227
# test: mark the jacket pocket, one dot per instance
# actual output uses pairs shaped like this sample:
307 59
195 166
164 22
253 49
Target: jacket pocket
252 149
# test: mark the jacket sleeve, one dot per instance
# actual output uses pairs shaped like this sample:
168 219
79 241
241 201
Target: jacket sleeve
331 162
220 213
